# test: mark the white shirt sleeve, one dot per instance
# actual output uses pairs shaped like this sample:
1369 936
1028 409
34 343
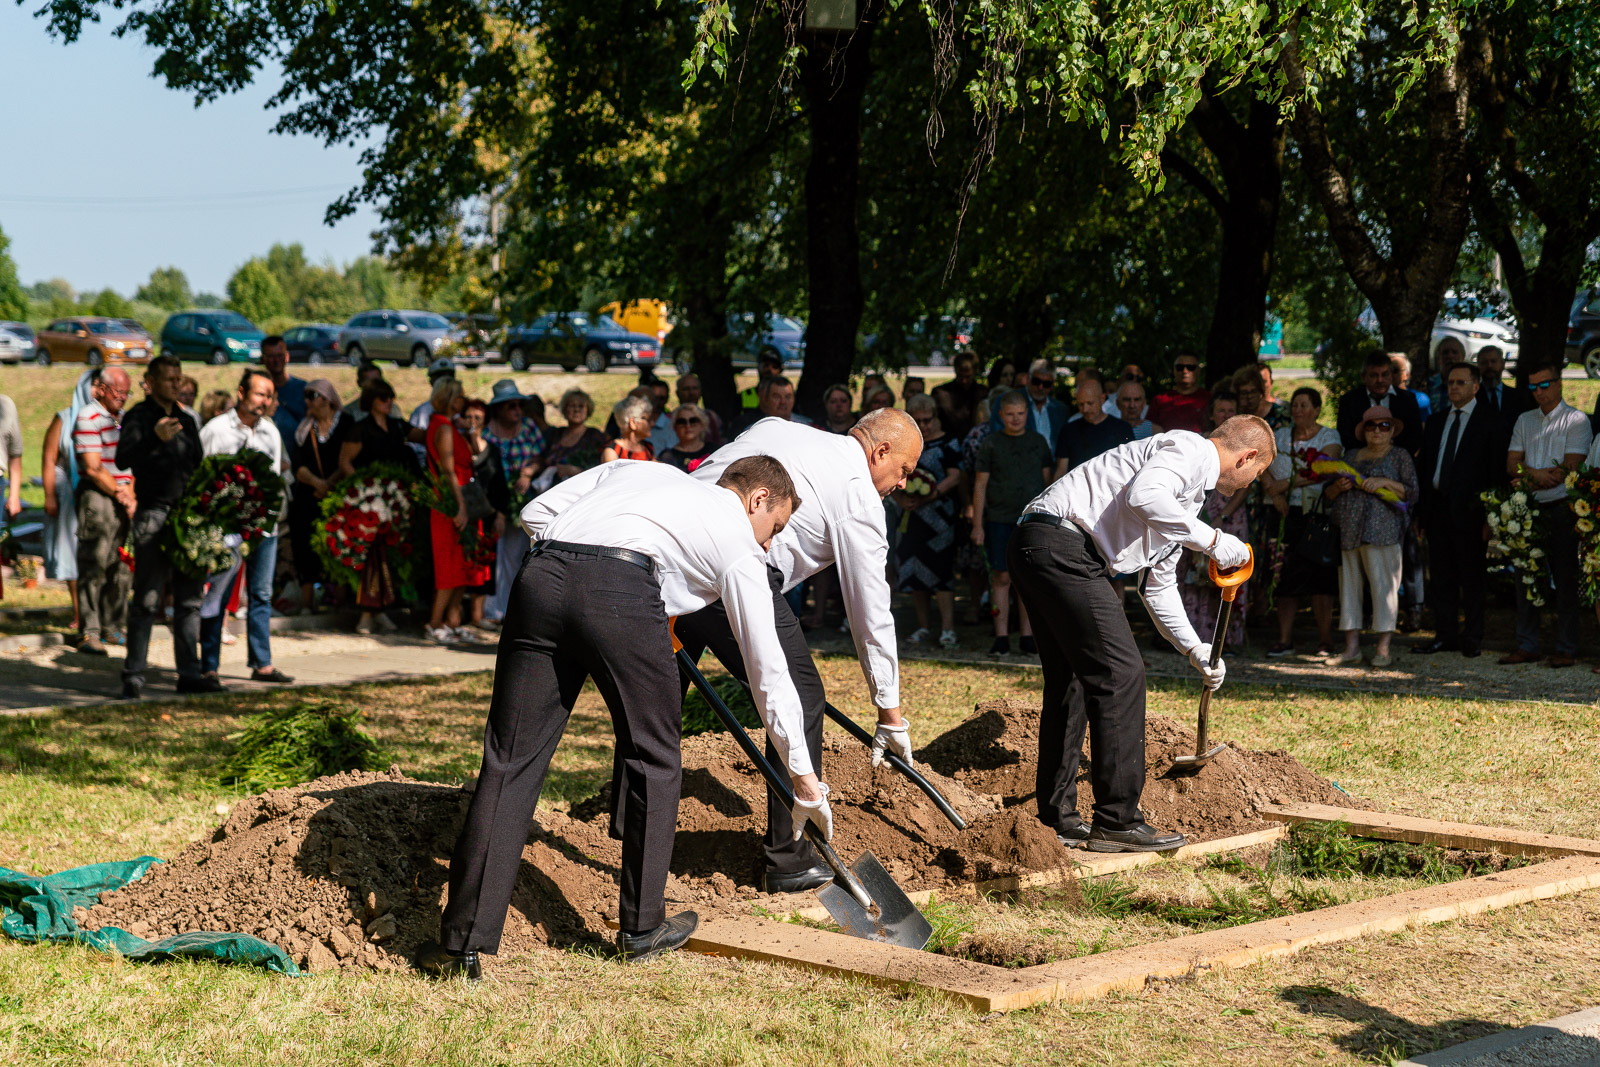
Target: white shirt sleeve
861 553
748 600
542 510
1579 436
1519 441
1156 494
1159 591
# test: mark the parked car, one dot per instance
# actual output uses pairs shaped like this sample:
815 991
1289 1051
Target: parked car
410 338
474 339
24 337
576 338
92 340
12 345
753 336
1583 332
219 337
314 342
1476 324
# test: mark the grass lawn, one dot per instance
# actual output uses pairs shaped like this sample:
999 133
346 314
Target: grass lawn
116 782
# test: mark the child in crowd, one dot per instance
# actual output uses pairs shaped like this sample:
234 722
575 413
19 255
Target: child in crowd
1013 467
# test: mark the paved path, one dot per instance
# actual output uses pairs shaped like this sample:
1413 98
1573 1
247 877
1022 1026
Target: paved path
1570 1041
53 676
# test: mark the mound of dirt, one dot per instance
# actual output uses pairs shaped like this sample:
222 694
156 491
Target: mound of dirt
351 870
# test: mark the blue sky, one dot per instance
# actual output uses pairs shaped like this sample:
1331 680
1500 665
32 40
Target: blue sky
148 179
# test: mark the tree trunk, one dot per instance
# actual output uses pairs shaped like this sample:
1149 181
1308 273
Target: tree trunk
1407 289
705 303
1249 156
834 68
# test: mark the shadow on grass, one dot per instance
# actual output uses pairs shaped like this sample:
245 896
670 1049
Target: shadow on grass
1385 1037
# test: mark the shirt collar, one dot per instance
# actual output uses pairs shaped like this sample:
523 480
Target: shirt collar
1467 408
1210 465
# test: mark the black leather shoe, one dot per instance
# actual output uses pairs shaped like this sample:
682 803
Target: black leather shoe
1471 651
203 684
132 690
1142 838
436 961
1436 646
1074 836
664 938
797 881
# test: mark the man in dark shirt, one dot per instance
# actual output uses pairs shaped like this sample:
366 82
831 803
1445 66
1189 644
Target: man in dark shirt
1095 432
161 445
958 398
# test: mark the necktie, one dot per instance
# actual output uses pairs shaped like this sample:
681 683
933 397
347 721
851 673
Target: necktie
1450 442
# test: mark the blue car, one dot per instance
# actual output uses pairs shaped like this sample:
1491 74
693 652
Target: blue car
577 338
752 336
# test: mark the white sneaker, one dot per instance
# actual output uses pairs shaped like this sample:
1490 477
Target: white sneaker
948 639
443 635
228 638
920 635
468 636
364 624
384 623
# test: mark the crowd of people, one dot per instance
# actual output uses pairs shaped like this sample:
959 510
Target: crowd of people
1359 518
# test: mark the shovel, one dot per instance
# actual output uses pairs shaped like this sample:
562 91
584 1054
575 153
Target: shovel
862 898
1227 583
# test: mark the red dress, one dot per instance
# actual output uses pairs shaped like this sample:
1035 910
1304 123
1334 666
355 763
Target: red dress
450 568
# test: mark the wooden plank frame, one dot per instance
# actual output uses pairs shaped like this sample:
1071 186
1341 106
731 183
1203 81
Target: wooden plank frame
1575 867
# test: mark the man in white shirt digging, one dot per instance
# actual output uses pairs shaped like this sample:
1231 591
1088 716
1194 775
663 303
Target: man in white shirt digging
1135 508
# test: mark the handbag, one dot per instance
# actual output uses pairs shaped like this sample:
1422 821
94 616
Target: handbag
473 497
1318 543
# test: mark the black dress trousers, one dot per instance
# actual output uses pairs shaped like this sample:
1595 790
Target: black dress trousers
1458 559
572 618
709 628
1093 676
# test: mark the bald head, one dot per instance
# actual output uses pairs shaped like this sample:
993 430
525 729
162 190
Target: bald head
893 445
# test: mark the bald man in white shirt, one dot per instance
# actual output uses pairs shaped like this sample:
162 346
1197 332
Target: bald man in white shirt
615 552
842 480
1135 508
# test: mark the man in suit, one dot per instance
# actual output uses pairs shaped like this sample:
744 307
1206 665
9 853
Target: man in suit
1504 397
1463 454
1377 390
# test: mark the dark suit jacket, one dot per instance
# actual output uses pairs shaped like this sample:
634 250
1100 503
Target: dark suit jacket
1480 465
1513 402
1403 406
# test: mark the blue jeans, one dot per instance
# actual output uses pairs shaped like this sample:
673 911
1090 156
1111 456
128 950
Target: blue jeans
258 568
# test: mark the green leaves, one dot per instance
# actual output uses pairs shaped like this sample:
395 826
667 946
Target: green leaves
288 745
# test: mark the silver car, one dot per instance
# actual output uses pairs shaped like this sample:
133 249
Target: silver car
410 338
16 342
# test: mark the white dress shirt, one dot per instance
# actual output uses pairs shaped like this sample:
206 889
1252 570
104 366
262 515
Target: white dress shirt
839 521
704 551
1547 440
1444 441
227 434
1140 505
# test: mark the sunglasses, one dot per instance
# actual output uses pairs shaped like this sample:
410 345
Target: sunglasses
1190 367
1044 382
1534 387
1384 426
686 422
1133 377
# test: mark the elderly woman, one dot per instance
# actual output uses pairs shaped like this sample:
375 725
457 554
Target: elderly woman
379 437
635 416
1371 531
691 426
450 457
927 556
576 448
1296 493
314 467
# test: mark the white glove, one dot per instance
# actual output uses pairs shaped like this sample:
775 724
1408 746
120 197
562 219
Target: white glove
1212 676
816 811
895 739
1229 552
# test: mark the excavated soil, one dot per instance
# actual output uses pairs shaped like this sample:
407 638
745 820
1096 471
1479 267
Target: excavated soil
351 870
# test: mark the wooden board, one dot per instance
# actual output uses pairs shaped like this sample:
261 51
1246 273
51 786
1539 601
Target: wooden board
987 988
1434 832
1084 865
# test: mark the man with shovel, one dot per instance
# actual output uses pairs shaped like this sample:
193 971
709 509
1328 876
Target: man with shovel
615 552
1134 508
842 480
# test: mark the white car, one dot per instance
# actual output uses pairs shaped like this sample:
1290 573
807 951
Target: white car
1476 327
16 342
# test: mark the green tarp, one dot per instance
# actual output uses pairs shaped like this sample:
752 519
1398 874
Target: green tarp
40 909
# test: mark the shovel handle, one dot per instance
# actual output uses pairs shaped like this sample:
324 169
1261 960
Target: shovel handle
842 874
1224 617
1228 582
852 728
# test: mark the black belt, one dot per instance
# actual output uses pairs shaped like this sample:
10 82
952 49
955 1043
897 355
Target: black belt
1046 520
626 555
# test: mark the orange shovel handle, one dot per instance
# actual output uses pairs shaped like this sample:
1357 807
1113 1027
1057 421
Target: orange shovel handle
1230 581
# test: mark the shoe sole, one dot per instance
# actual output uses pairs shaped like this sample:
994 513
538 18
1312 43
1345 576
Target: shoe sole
1101 845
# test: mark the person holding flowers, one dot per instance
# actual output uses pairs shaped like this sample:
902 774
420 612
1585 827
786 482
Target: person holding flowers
1546 443
378 440
245 428
1296 493
313 469
927 555
1370 505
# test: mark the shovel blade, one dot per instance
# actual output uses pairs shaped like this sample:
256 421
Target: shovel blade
1199 760
898 921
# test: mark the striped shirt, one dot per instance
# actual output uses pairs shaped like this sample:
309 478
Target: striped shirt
97 431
